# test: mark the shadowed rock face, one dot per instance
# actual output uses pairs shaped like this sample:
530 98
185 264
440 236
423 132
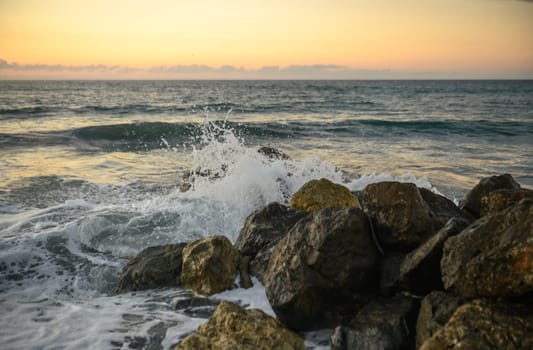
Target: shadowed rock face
484 325
232 327
493 257
403 219
443 209
153 267
472 200
209 265
318 265
435 311
384 324
320 194
501 199
420 270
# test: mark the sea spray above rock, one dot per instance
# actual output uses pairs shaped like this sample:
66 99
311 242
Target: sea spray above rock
320 194
209 265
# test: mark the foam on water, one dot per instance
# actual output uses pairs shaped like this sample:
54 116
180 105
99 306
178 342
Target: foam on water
58 264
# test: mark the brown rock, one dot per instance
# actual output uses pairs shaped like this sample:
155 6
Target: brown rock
232 327
485 326
435 311
443 209
314 270
402 218
209 265
472 200
420 270
320 194
501 199
153 267
493 256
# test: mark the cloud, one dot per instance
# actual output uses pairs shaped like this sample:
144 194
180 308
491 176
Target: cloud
4 65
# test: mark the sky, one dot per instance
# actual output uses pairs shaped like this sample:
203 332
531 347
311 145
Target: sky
266 39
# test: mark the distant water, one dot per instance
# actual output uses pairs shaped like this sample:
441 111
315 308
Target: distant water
89 175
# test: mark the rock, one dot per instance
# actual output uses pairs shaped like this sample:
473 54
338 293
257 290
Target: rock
273 153
153 267
499 200
320 194
384 324
259 264
485 326
232 327
435 310
420 270
389 268
193 305
402 218
264 228
318 266
472 200
493 257
443 209
244 272
209 265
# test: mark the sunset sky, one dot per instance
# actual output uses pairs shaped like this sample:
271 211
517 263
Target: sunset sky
176 39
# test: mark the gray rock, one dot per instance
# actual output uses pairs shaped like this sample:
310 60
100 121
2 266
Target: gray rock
315 270
472 200
384 324
444 209
153 267
435 311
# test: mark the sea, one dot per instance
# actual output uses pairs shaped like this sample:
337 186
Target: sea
92 172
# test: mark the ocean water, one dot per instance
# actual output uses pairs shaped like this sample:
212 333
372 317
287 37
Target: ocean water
90 174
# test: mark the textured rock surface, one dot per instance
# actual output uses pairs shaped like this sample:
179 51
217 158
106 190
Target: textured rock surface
384 324
153 267
472 200
443 209
320 194
501 199
232 327
484 326
420 270
402 217
264 228
209 265
317 266
493 256
273 153
435 311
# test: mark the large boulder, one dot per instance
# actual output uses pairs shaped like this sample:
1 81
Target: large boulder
317 267
262 230
499 200
472 200
319 194
443 209
402 218
435 311
420 270
493 257
209 265
232 327
153 267
384 324
485 326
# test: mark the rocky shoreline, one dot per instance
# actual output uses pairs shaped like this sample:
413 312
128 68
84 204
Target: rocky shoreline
391 267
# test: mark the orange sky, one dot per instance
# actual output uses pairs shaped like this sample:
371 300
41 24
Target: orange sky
149 38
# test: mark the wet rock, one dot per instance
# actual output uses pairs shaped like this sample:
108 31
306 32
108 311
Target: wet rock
443 209
264 228
472 200
273 153
233 327
402 218
316 269
384 324
420 270
209 265
493 257
483 325
319 194
389 267
501 199
153 267
435 311
259 264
